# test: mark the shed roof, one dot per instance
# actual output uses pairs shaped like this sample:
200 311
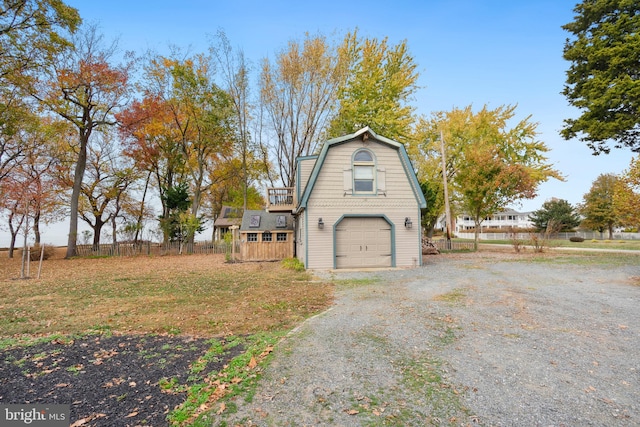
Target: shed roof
254 220
228 216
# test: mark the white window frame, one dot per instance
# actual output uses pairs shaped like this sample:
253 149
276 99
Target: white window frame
361 164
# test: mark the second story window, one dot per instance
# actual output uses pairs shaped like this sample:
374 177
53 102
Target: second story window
363 172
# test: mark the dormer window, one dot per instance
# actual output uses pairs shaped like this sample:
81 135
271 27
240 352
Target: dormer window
363 172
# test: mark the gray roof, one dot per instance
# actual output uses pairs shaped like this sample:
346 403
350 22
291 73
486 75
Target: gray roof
254 220
228 216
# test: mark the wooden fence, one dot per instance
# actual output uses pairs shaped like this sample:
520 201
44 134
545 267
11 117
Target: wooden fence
148 248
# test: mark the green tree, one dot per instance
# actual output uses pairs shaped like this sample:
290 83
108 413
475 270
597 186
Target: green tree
432 191
490 162
597 207
556 211
177 202
603 79
376 90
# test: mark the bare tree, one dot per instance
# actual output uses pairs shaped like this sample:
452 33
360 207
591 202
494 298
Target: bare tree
297 93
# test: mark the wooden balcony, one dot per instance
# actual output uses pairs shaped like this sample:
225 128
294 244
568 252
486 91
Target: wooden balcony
281 199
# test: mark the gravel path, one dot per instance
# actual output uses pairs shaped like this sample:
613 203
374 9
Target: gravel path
473 339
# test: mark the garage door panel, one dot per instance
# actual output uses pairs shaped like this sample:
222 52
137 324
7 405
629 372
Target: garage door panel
363 242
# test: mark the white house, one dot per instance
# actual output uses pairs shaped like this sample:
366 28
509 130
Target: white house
356 205
505 220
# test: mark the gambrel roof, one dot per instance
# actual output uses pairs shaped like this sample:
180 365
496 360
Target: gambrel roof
363 134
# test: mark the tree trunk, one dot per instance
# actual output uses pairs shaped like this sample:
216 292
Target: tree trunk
12 243
144 195
81 164
36 228
476 233
97 231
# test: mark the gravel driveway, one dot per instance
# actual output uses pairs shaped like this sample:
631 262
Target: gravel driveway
473 339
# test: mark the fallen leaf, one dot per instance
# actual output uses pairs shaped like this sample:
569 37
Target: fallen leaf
222 408
352 412
132 384
60 385
236 380
267 350
132 414
253 363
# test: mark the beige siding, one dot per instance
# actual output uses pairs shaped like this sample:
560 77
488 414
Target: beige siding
306 166
330 202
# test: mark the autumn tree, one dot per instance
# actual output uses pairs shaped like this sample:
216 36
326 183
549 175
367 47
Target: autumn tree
597 206
152 142
603 79
182 129
30 193
490 162
626 196
297 91
234 70
84 88
32 32
376 90
556 211
105 188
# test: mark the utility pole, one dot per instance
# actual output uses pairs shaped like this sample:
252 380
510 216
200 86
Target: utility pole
447 210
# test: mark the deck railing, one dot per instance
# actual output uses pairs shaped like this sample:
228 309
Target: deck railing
281 199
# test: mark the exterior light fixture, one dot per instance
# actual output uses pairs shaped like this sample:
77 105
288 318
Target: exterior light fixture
320 224
408 223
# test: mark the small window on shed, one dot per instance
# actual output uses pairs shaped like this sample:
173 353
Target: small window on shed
252 237
281 237
266 236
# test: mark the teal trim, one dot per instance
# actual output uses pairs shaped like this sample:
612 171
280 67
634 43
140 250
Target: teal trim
383 216
413 179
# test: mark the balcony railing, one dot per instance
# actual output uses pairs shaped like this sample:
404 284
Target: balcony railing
281 199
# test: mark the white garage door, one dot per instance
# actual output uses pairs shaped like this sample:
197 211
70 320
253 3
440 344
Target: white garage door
363 242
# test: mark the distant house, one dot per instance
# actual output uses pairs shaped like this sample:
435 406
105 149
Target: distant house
266 236
228 216
504 220
355 205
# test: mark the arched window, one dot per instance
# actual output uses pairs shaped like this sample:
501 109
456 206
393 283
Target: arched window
364 172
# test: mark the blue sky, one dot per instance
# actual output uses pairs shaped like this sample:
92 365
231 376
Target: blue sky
468 52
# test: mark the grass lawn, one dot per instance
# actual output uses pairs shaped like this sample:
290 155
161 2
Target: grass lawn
633 245
197 295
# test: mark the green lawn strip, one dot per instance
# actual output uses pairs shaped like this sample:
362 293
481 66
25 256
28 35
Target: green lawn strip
565 243
210 393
